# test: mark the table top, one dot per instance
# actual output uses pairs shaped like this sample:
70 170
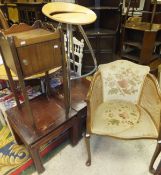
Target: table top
69 13
143 26
49 113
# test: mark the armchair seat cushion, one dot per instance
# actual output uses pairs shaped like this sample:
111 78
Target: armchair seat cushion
123 119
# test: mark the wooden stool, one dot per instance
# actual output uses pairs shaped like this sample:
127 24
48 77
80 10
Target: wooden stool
51 121
51 124
71 14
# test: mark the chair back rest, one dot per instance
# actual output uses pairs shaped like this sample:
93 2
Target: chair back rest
78 52
122 80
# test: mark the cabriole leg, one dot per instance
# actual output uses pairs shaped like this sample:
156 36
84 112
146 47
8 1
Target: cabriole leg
155 155
87 140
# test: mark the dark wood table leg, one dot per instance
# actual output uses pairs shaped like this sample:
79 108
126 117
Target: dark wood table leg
75 131
34 152
15 135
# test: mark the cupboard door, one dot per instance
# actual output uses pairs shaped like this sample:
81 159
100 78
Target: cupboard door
104 57
86 3
37 58
93 42
87 62
111 3
106 43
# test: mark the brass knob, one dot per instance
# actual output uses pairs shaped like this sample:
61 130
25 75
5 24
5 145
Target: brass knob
56 46
25 62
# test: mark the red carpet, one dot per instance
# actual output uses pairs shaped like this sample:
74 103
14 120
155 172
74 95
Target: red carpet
14 159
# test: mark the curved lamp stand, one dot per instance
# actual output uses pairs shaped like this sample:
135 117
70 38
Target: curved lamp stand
71 14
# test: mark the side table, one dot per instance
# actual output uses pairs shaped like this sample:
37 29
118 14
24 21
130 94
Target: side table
51 120
51 123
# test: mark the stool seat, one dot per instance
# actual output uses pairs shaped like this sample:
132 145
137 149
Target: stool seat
69 13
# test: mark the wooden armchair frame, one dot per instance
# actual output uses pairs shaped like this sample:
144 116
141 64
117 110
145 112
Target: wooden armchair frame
95 98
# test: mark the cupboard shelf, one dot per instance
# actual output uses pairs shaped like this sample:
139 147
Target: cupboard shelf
133 43
100 31
134 54
143 43
103 8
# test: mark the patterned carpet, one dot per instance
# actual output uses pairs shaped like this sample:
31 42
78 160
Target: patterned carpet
12 156
15 159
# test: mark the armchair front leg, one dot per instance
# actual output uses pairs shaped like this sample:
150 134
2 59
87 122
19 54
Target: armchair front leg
155 155
87 140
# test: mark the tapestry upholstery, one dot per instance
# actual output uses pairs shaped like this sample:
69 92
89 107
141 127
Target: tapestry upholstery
123 119
122 80
118 115
124 110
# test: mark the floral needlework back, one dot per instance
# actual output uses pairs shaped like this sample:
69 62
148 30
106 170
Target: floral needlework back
122 80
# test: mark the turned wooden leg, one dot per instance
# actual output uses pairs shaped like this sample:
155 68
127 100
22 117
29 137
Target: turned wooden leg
16 137
155 155
34 152
87 140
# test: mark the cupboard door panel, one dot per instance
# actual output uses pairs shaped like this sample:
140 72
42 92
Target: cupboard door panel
106 43
37 58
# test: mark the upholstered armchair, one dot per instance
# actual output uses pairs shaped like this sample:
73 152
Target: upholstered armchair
124 101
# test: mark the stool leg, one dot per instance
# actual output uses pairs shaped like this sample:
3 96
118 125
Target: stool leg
11 82
31 119
66 77
13 87
34 152
89 46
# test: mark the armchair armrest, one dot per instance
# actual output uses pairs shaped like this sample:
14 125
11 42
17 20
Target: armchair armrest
150 99
94 98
